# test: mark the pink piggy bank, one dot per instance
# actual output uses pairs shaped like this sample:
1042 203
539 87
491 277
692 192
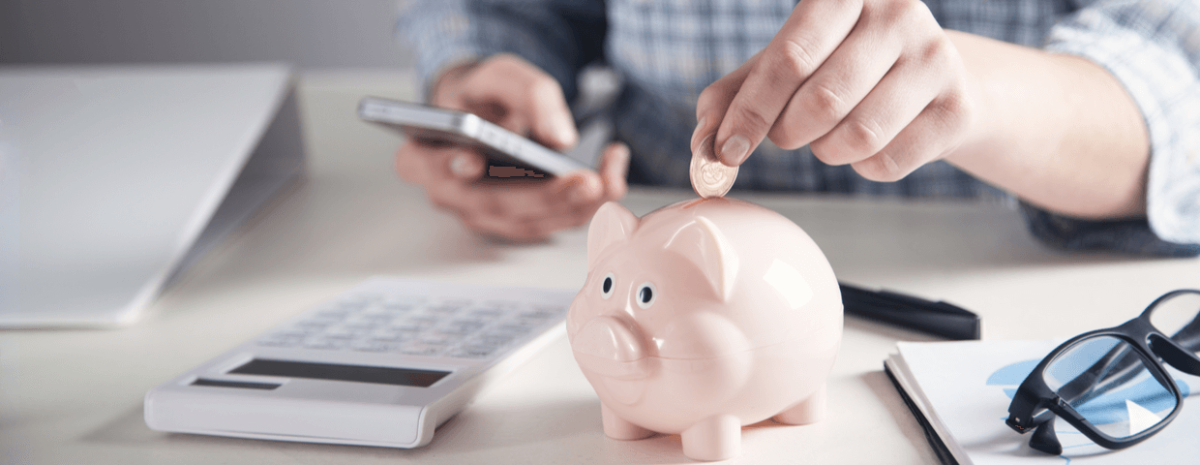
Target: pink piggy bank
702 317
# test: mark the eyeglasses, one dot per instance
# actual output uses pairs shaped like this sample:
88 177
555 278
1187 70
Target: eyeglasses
1110 384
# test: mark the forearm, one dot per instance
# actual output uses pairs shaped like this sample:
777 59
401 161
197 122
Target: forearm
1057 131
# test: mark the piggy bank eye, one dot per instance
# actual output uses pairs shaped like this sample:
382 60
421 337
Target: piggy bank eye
606 289
646 294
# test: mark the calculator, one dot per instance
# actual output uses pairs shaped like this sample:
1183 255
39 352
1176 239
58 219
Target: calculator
381 365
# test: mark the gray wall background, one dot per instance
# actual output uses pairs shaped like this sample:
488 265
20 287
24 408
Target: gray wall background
311 34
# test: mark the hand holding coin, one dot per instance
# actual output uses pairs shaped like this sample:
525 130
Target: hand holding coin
710 177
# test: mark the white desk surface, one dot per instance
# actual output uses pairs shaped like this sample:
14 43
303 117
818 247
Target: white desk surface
76 396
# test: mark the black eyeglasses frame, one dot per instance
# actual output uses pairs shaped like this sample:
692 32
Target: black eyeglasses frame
1154 348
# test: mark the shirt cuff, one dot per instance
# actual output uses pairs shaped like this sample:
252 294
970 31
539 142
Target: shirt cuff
1127 236
441 39
445 35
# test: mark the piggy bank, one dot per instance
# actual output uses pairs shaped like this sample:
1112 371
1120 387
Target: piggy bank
702 317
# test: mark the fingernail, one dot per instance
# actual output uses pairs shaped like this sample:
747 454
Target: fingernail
460 166
735 150
586 190
565 134
699 128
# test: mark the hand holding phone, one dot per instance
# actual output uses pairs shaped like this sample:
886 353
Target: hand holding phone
521 98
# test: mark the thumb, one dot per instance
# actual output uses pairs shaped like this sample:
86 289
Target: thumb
550 118
614 166
532 102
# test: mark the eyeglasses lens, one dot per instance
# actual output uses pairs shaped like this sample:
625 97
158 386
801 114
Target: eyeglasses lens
1176 317
1109 384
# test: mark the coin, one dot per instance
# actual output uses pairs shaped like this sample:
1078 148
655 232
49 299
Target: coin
710 177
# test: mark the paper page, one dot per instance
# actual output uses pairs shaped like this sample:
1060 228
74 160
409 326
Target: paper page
969 386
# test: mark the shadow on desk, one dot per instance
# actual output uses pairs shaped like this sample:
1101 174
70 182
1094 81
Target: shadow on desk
472 434
554 432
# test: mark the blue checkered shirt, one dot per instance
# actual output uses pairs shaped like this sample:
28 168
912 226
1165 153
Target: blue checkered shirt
668 51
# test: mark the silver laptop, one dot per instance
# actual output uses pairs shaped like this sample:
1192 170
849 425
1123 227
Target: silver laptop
114 178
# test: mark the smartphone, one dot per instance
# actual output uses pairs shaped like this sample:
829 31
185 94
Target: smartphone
501 146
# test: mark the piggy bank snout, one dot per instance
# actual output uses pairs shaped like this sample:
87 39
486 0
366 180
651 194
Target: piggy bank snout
613 347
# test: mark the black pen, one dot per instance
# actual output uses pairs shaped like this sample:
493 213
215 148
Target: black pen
937 318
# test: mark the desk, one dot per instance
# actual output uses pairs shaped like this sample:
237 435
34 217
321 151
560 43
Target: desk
76 396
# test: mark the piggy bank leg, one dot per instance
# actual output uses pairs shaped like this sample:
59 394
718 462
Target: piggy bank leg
718 437
810 410
617 428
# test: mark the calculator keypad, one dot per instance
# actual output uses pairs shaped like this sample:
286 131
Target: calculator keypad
458 328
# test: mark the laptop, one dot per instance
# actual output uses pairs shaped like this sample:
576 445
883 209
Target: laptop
114 178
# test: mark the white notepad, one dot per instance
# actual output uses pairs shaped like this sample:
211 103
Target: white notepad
961 391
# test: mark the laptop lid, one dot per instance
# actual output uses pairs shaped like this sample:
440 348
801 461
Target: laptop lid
108 175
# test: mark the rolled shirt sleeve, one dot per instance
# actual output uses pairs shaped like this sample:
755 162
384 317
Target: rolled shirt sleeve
560 37
1153 48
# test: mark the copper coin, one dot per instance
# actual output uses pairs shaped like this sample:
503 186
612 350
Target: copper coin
710 177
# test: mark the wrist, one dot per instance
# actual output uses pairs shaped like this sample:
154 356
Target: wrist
985 118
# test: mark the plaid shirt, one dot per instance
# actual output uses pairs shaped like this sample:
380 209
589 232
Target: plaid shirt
668 51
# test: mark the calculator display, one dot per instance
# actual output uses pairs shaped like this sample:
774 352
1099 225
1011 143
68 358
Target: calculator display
338 372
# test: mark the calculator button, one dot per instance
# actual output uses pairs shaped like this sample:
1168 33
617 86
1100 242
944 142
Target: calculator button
421 349
437 340
342 332
514 328
443 309
412 327
324 344
371 346
391 336
460 328
472 352
495 339
359 325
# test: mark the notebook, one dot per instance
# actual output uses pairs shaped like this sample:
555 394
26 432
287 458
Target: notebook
960 391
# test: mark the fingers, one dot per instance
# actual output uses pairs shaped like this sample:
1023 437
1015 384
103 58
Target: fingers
532 210
466 165
715 99
892 105
521 98
810 35
836 87
886 110
566 202
614 166
410 164
919 142
422 164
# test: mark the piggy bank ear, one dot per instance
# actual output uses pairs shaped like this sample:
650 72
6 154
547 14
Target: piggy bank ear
703 244
612 224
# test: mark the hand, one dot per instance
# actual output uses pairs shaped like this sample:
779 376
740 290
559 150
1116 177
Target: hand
520 97
876 84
